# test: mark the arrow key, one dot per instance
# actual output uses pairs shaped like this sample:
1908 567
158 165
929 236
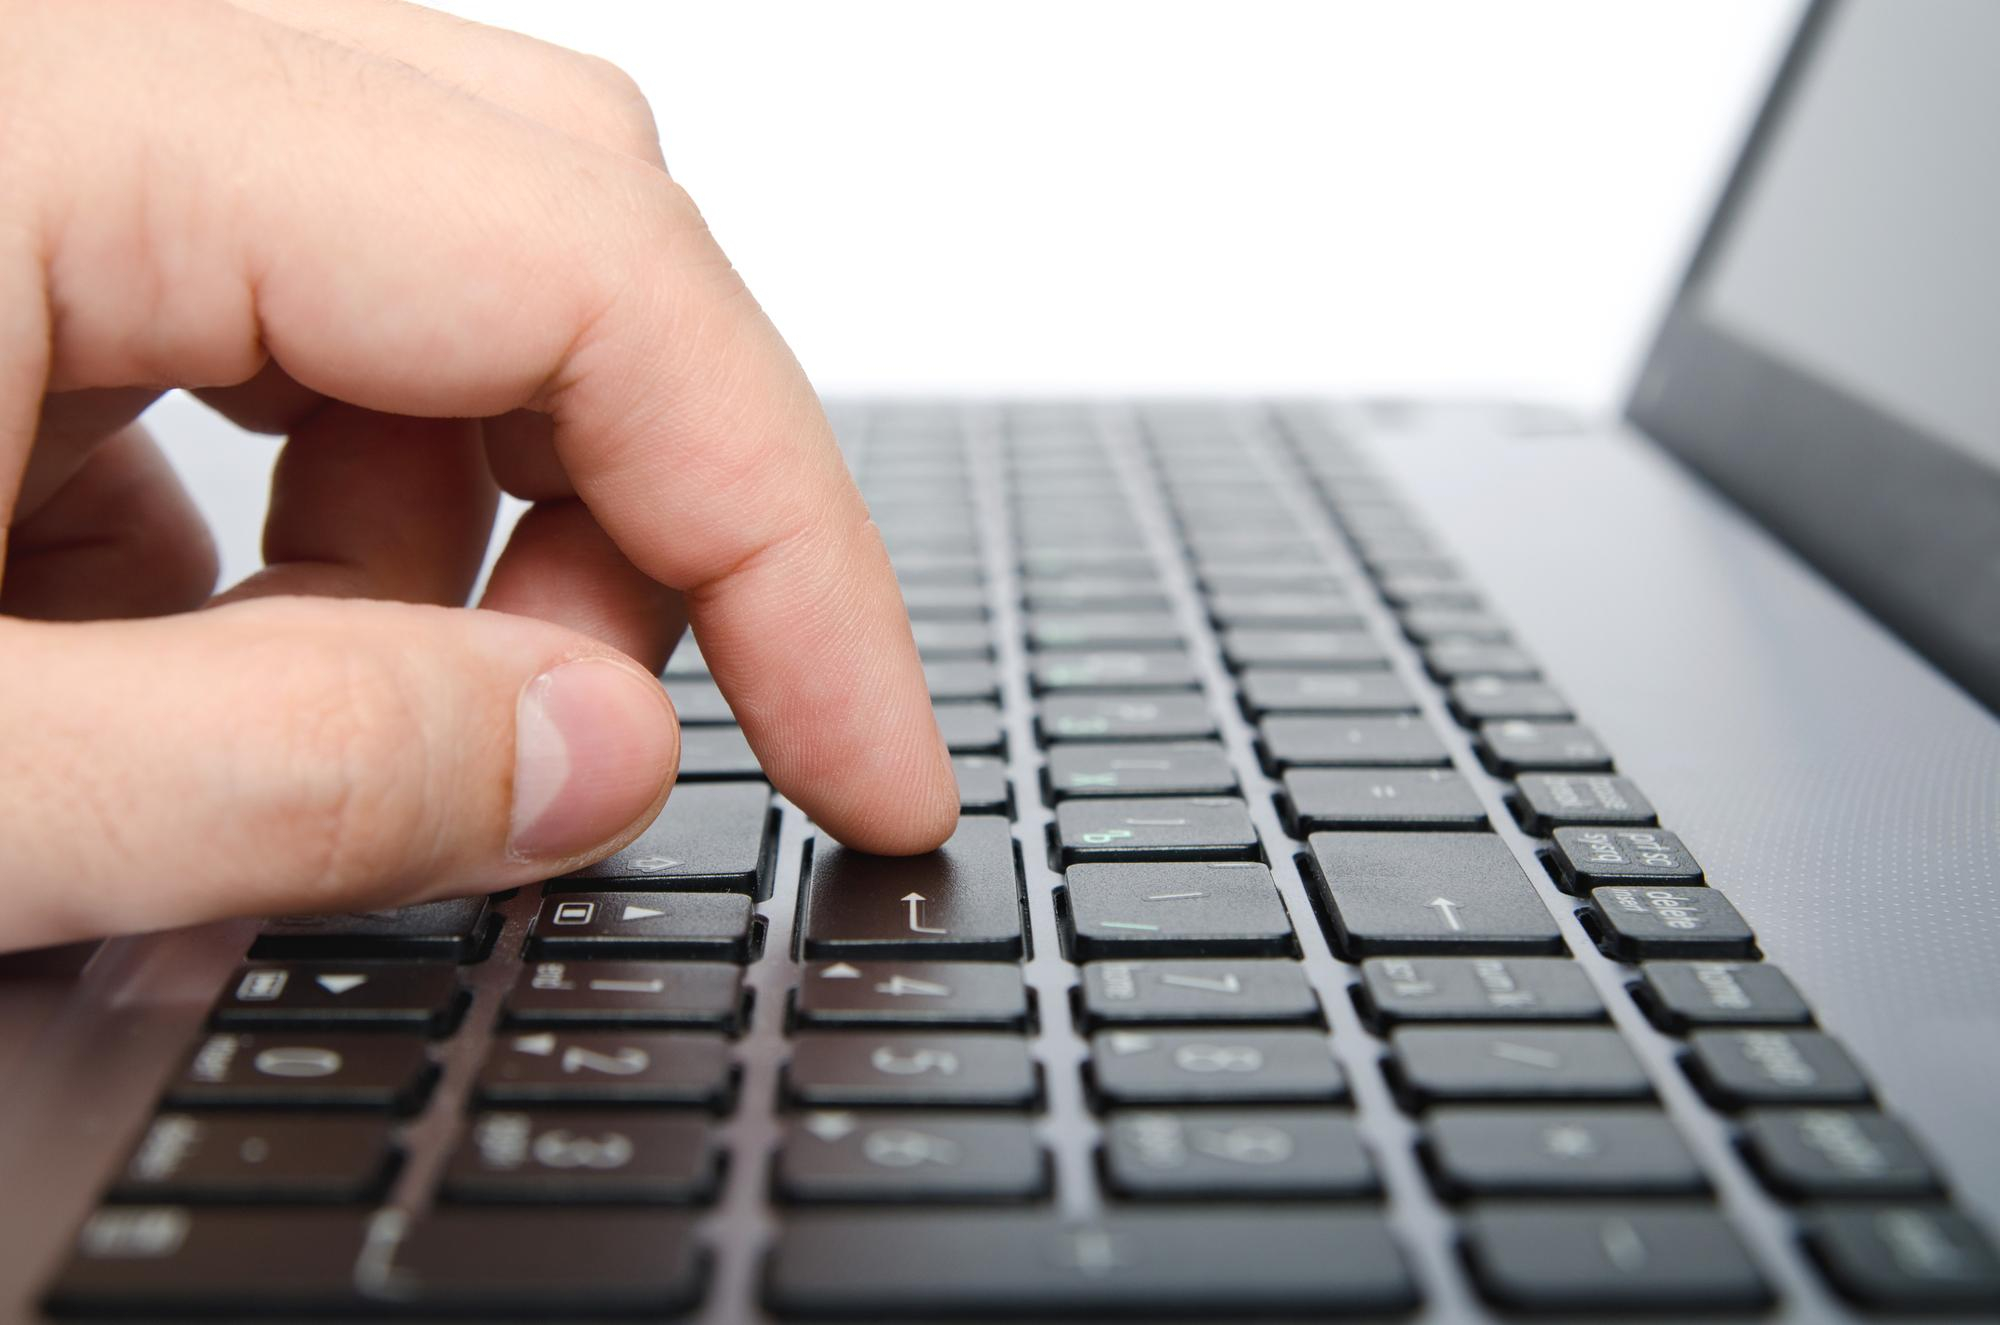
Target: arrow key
704 995
716 926
421 996
1415 893
973 995
1118 993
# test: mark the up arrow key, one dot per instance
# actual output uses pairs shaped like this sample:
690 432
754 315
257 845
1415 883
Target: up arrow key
1448 912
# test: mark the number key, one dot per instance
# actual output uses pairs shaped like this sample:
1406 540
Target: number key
605 1067
1211 828
583 1156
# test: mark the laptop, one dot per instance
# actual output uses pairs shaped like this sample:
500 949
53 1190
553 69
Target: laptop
1429 860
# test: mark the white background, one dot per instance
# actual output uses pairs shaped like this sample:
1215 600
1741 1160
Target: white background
1419 195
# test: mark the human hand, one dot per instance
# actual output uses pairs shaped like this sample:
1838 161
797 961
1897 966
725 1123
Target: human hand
445 260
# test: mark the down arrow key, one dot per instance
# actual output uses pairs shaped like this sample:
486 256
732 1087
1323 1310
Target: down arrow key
419 996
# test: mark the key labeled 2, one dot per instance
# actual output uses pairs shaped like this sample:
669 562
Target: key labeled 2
655 1068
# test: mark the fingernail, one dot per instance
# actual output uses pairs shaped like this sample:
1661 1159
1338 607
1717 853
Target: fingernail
594 742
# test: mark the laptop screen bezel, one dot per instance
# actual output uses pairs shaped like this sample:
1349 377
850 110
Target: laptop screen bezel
1903 520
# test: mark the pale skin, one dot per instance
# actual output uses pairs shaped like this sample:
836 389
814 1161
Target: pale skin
444 261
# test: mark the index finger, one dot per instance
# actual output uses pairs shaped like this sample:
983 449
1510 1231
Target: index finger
409 250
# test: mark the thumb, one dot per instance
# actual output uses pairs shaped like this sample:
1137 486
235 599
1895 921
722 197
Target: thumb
310 755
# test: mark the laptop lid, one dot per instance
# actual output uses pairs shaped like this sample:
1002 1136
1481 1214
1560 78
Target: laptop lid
1832 358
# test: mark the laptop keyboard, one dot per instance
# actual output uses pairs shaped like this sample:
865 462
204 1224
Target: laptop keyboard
1293 958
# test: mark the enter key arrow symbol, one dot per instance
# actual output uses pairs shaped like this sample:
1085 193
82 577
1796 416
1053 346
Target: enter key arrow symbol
916 901
1448 909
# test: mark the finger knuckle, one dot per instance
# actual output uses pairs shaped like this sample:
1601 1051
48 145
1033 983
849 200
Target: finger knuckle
618 103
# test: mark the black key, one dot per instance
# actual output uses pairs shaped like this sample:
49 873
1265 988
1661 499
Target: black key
1293 690
454 930
1634 1259
1515 746
1680 996
1546 801
1395 990
1559 1153
1129 669
1428 893
1298 579
1659 921
1752 1069
1048 564
714 926
1446 1065
851 1157
1185 768
1209 828
716 754
1431 625
962 900
946 569
588 1264
840 1070
1218 1066
1268 1154
982 785
1907 1257
1124 717
1103 630
944 601
698 702
583 1156
686 660
707 838
1104 592
1284 610
1586 858
1404 588
1837 1154
413 996
162 1260
303 1070
252 1159
1248 548
1040 1266
919 995
941 640
962 678
1216 909
1487 698
608 1067
693 995
1456 659
971 728
1403 741
1347 799
1166 993
1302 648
